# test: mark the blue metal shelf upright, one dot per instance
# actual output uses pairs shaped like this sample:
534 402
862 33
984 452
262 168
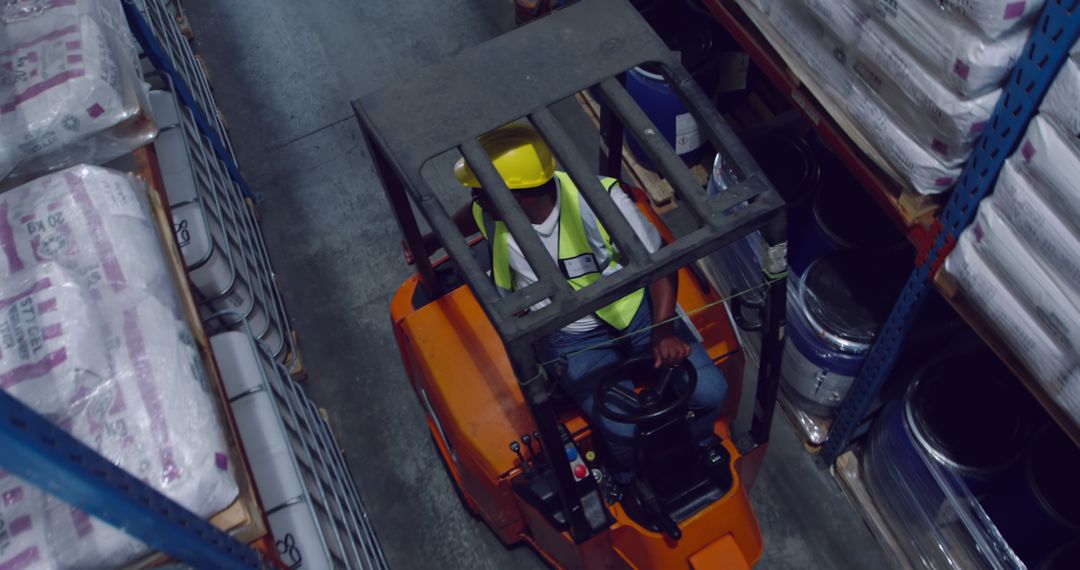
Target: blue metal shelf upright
1054 34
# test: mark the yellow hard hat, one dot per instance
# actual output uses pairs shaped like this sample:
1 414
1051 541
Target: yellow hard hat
519 154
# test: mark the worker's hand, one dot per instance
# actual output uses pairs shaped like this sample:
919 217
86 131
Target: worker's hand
669 350
408 254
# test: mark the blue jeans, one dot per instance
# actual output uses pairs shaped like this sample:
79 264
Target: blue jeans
584 371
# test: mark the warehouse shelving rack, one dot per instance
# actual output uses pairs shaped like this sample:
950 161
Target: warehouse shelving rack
931 226
780 63
343 533
33 448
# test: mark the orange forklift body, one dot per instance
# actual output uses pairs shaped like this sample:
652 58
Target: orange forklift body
460 371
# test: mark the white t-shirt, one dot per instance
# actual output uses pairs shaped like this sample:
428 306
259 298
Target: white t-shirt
548 231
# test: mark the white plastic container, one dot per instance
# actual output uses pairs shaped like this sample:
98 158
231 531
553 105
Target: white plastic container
175 166
240 299
1047 235
163 104
297 538
267 450
240 369
273 339
210 271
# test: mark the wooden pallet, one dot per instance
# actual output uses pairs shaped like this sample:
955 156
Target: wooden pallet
294 361
659 191
255 213
182 21
848 475
205 69
224 123
243 519
803 424
333 430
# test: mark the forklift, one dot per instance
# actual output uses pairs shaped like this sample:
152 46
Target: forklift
522 456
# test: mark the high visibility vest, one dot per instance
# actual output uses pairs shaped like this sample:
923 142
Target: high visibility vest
579 263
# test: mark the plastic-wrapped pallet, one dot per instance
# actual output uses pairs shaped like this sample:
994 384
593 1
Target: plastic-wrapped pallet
811 41
958 54
993 17
90 337
1047 235
762 5
1061 101
1052 365
1026 276
931 114
70 87
89 220
820 50
1052 159
22 520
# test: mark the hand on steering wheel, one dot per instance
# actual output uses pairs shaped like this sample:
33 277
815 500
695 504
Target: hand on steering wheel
665 396
669 350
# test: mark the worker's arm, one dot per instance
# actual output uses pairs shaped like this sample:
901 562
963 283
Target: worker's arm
668 348
463 219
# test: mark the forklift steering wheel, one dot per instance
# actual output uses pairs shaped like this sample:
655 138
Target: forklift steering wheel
651 403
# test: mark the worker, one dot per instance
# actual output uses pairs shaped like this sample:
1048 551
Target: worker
588 349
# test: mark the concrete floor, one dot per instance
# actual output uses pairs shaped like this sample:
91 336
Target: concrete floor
284 73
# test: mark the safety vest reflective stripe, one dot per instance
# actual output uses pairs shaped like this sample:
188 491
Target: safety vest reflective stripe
576 258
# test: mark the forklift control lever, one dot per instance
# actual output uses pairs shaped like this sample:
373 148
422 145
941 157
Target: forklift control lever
527 440
516 448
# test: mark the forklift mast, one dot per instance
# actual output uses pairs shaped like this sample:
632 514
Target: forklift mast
521 74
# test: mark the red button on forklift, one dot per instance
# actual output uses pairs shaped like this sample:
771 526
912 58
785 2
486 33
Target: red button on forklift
524 458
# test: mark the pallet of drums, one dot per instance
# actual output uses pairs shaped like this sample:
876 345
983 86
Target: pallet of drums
312 506
986 484
846 264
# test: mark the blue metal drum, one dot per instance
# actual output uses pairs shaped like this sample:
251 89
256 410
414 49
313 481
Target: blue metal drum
1038 509
843 217
983 438
651 91
1064 558
960 426
836 310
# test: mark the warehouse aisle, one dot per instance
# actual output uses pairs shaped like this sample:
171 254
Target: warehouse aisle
284 73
